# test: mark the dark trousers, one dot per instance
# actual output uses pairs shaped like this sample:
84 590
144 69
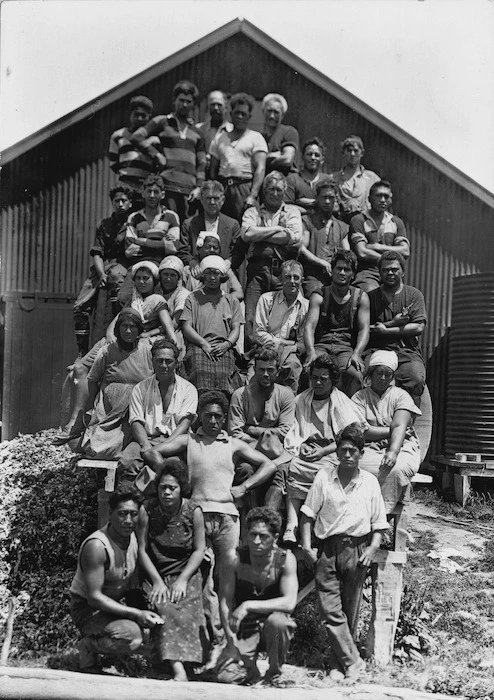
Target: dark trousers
274 636
103 633
88 297
339 583
235 195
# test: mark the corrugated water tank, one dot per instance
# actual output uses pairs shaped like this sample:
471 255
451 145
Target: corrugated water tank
470 392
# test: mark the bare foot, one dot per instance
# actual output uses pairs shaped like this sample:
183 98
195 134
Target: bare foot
179 673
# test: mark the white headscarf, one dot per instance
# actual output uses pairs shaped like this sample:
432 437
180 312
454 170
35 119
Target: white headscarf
214 262
385 358
172 262
148 265
203 235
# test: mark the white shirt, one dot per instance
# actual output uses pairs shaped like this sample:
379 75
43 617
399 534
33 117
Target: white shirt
275 318
356 512
146 406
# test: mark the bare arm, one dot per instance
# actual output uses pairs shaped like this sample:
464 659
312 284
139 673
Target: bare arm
399 424
306 524
363 324
311 322
284 603
93 561
178 589
371 252
305 253
281 159
406 331
264 468
140 435
159 592
259 168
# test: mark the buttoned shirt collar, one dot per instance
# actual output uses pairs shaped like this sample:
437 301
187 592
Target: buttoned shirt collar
281 299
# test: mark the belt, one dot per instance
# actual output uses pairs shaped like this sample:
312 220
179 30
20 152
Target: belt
229 181
337 543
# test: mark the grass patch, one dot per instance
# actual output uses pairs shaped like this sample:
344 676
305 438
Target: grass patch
445 639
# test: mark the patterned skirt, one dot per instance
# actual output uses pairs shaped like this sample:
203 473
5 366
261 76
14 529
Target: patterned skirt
182 637
208 374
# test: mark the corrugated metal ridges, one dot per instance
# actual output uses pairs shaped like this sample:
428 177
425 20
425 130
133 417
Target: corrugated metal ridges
54 194
470 395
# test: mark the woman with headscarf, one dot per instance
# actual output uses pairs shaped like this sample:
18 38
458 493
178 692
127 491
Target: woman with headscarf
211 324
171 274
151 307
118 367
209 243
392 451
155 319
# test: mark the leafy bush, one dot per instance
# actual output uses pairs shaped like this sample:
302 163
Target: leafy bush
47 507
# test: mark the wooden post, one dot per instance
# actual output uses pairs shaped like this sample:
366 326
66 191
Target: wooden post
111 468
462 485
387 586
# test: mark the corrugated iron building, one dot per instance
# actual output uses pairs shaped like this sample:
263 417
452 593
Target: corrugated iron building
55 188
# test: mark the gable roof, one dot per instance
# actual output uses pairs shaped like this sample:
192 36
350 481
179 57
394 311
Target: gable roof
245 27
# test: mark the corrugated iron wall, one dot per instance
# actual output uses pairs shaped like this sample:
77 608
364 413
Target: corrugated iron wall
54 194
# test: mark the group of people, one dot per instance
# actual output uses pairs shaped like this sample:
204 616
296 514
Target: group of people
260 350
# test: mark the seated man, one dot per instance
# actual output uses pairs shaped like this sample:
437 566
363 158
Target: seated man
106 573
353 180
282 139
211 455
301 185
273 231
338 322
211 220
279 323
129 163
108 269
374 232
320 413
262 412
346 508
151 234
398 317
265 593
323 235
161 408
238 158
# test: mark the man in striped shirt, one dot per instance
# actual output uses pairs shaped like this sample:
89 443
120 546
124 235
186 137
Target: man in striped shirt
181 154
129 163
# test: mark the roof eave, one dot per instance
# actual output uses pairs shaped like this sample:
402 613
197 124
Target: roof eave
295 62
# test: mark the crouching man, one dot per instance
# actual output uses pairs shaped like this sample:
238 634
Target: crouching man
264 595
107 573
349 514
